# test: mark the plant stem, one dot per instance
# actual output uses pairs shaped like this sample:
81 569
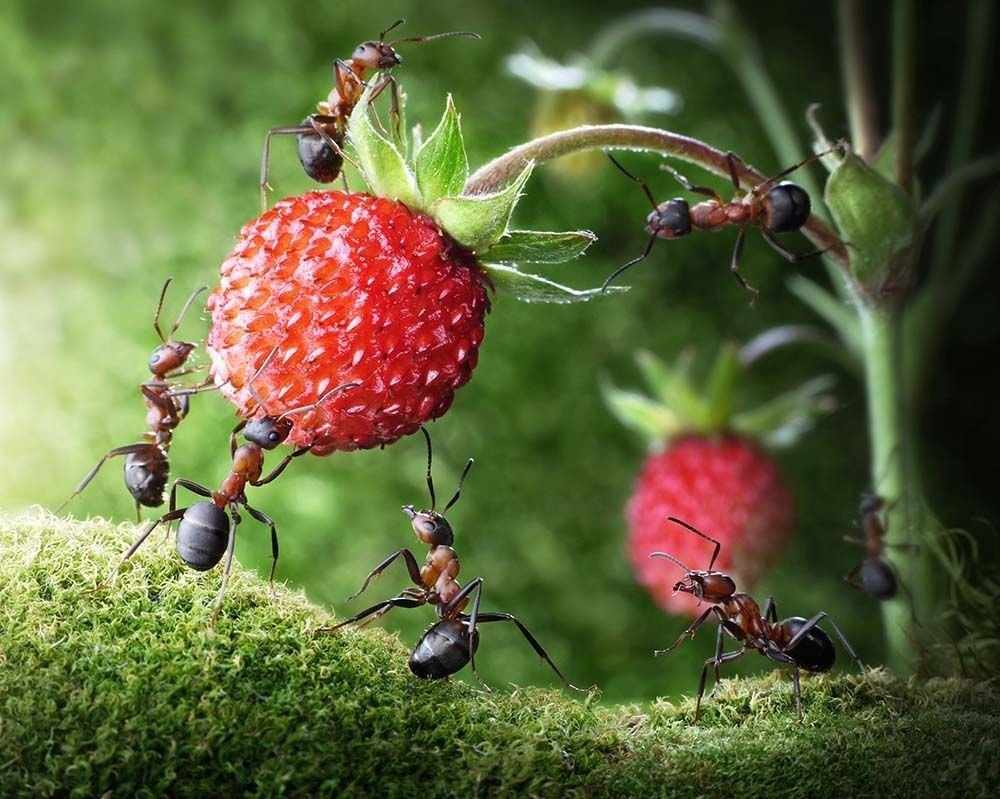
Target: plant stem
894 476
857 75
903 94
500 171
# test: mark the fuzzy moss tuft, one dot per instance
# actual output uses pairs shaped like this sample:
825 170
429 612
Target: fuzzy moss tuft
129 691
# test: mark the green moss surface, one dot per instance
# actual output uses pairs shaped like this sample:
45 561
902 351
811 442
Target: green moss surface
129 691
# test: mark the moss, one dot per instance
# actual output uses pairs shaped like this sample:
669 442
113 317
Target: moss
129 690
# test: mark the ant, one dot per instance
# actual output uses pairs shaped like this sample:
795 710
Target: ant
451 643
204 533
321 135
147 466
874 575
796 641
771 207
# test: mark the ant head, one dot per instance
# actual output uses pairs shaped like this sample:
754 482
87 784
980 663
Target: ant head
870 503
376 55
268 431
786 207
670 219
169 356
707 586
430 526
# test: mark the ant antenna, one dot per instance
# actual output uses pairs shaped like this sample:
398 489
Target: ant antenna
458 491
180 316
630 264
396 24
435 37
718 546
630 176
430 455
260 370
670 558
323 398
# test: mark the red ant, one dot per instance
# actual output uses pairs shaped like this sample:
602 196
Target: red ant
796 641
451 643
147 466
874 575
321 135
204 533
770 206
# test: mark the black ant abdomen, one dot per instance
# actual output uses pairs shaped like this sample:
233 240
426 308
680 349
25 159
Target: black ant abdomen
146 475
202 535
877 579
814 651
786 207
318 159
444 649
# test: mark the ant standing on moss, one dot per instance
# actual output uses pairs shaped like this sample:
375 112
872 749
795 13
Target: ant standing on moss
447 646
204 533
147 465
796 641
771 207
321 135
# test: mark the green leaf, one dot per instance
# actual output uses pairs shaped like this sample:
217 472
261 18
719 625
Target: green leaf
780 422
384 168
532 288
874 216
532 246
720 386
646 416
838 315
672 385
478 221
442 165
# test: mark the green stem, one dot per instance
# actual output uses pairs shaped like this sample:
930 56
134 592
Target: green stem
903 89
894 476
502 170
861 107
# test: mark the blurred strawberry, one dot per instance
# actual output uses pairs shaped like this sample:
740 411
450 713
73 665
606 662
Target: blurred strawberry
710 469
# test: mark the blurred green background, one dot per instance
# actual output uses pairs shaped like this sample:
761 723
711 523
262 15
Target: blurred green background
131 137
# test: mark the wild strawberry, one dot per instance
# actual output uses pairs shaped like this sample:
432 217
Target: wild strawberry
350 288
710 470
386 291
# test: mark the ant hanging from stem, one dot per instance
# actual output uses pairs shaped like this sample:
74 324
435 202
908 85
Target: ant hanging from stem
204 533
147 465
321 135
451 643
795 641
771 207
875 575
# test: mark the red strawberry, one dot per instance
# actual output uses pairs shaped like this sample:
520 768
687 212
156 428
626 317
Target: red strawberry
729 489
710 471
349 288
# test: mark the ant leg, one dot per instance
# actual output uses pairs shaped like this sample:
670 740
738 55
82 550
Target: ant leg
411 567
732 160
194 488
690 187
316 127
470 621
717 661
770 610
789 256
288 130
734 266
850 539
166 517
630 264
804 630
780 655
394 115
234 437
127 450
377 611
263 518
166 405
281 467
230 550
688 633
488 617
798 692
630 176
851 577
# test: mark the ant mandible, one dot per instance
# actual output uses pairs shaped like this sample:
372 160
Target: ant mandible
795 641
771 207
204 533
321 135
147 465
451 643
874 575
